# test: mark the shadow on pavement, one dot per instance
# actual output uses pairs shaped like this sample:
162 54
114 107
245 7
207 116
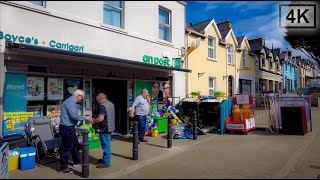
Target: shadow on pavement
122 156
156 145
123 138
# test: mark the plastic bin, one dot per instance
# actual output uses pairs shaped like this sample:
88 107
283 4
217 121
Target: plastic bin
13 162
27 158
162 124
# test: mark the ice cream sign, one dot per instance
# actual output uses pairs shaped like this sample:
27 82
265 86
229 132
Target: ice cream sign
15 38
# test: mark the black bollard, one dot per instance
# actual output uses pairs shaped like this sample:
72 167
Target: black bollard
195 124
85 154
135 141
169 137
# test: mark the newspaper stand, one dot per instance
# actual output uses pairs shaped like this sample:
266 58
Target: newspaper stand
245 125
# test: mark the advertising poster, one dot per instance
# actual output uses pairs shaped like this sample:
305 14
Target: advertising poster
15 89
159 93
70 86
36 110
35 88
55 89
14 123
53 112
4 156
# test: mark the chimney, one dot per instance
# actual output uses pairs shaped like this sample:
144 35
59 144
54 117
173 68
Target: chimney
257 40
224 25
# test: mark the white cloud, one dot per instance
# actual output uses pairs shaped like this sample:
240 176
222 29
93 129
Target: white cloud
275 42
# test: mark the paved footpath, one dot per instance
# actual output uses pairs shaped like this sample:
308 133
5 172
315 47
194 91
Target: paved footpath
256 155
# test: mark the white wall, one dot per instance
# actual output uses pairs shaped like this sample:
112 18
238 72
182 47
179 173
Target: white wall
80 23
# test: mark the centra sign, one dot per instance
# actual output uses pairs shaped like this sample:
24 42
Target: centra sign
156 60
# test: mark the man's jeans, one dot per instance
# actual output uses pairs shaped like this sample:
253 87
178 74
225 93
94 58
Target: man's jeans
142 125
105 139
69 145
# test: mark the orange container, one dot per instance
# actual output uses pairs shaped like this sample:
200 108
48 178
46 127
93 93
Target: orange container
236 115
246 112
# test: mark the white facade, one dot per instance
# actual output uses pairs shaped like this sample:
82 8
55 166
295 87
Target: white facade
81 24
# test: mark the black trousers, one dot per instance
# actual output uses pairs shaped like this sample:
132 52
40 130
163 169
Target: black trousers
69 145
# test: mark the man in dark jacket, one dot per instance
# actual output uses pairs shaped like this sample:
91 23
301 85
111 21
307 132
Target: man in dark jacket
106 125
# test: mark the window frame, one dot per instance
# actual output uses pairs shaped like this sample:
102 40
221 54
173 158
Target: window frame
44 4
214 48
244 58
230 46
116 8
214 84
165 25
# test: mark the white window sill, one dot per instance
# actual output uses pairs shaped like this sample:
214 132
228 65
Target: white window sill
212 59
231 64
245 67
165 42
113 28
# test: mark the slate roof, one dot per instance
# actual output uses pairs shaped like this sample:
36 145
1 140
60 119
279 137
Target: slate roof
201 25
255 46
224 29
276 51
240 39
283 56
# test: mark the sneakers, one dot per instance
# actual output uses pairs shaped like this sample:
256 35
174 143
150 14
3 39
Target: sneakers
77 164
100 161
103 166
143 140
67 171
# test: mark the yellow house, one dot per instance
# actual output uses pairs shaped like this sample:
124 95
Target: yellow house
215 62
246 66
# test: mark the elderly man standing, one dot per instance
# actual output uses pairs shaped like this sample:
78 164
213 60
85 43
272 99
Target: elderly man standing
106 125
140 110
68 120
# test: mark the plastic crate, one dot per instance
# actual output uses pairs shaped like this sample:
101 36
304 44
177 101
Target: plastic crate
162 124
27 158
13 162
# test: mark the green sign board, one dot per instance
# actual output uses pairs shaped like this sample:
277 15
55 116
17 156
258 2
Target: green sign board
177 62
156 60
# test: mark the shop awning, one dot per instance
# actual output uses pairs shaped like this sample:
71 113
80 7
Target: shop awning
42 49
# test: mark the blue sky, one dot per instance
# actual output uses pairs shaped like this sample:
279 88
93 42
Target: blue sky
250 18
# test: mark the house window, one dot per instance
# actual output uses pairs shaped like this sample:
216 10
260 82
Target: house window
164 24
39 3
290 69
271 65
286 67
212 85
230 54
244 58
212 47
113 13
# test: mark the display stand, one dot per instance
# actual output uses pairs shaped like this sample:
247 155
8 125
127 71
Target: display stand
246 124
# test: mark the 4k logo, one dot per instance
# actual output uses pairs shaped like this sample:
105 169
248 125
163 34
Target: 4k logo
297 15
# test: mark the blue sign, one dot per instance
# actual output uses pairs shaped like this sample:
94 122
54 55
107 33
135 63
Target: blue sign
15 93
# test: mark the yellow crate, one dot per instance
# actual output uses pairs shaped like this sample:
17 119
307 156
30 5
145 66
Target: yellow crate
13 163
